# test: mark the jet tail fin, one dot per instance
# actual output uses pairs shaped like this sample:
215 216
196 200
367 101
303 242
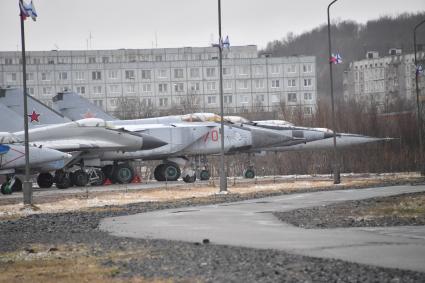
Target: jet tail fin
76 107
38 112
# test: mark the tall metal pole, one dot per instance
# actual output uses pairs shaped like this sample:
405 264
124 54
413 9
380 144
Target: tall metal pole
27 186
337 177
419 117
223 178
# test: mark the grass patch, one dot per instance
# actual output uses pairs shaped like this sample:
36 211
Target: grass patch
404 206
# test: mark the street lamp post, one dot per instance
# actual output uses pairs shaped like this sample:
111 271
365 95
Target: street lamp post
419 117
337 177
223 178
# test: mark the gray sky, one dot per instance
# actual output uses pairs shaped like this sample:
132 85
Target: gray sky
133 23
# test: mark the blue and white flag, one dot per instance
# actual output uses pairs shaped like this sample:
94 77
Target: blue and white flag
419 70
27 10
225 43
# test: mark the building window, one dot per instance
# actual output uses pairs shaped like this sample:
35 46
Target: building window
227 71
259 70
227 84
114 88
308 110
146 87
275 98
92 60
259 84
195 86
36 61
81 89
307 68
30 76
158 58
64 89
162 88
45 76
275 69
63 76
194 72
292 97
308 96
210 72
243 84
96 75
8 61
178 73
105 59
178 87
162 73
228 99
50 61
11 77
147 102
212 99
307 82
275 83
146 74
211 86
131 88
292 83
163 102
244 99
260 98
129 75
291 68
46 90
79 76
243 70
97 89
113 74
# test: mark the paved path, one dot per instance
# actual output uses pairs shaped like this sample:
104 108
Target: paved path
251 224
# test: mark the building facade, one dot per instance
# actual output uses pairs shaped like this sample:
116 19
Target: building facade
168 79
384 81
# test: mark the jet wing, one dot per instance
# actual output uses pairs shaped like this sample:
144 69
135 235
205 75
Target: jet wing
68 145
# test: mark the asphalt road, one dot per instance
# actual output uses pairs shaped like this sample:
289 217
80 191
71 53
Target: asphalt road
251 224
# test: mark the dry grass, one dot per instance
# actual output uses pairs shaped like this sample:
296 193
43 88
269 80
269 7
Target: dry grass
66 264
405 206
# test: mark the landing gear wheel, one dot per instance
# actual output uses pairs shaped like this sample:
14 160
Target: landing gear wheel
17 186
80 178
204 175
62 180
123 174
249 173
5 189
171 172
99 178
158 173
45 180
189 179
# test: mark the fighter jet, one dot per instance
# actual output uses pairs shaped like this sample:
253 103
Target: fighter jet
12 161
301 138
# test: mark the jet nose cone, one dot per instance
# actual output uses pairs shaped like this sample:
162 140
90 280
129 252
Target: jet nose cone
150 142
328 135
265 138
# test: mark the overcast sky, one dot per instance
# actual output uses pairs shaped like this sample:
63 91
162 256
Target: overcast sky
114 24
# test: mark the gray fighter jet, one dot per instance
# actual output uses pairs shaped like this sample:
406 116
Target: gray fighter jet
12 161
302 138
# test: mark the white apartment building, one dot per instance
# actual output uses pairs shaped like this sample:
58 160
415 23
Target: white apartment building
166 79
383 80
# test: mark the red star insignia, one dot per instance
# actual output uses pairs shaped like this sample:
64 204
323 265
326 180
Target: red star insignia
89 114
34 116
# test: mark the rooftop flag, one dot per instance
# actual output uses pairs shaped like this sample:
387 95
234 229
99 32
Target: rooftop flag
225 43
419 70
335 59
27 10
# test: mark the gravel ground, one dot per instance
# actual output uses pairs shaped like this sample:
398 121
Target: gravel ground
374 212
179 261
